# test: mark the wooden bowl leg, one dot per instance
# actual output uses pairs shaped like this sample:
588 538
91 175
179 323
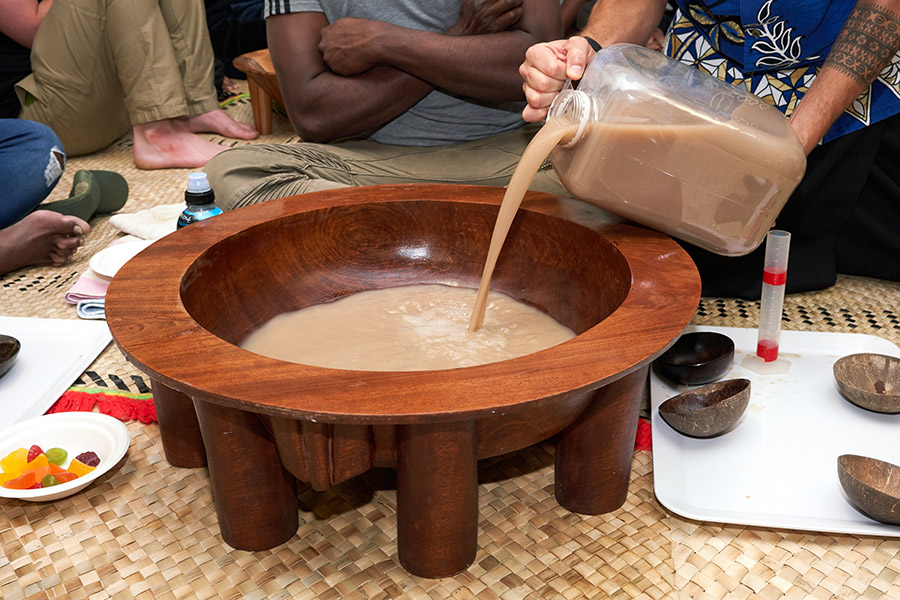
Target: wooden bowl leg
437 498
178 427
255 496
594 454
261 103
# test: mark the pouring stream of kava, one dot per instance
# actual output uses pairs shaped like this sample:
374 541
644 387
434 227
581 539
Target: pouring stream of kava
553 131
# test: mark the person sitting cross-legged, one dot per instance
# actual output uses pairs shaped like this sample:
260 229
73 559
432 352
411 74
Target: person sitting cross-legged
93 70
393 91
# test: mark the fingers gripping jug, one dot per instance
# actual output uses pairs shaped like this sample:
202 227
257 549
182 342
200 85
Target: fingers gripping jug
658 142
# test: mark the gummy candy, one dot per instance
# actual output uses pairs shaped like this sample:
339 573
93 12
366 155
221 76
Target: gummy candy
39 461
15 461
22 482
79 468
88 458
49 480
56 455
65 476
34 452
44 469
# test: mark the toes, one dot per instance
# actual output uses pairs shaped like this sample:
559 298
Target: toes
68 245
79 226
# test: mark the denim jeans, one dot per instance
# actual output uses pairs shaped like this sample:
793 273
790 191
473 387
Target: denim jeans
32 160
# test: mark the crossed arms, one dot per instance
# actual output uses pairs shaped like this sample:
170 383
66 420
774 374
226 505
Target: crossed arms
354 75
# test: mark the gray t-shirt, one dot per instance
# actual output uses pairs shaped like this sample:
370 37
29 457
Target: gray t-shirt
440 118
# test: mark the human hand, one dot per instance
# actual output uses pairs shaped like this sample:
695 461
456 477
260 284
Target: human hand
477 17
348 45
545 70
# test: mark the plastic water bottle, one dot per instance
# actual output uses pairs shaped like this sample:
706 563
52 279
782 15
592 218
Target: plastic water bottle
201 201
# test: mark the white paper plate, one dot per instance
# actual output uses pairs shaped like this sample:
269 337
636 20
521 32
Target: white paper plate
777 467
108 261
54 353
74 432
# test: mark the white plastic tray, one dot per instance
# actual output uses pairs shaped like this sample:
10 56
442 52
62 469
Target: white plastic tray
777 467
54 353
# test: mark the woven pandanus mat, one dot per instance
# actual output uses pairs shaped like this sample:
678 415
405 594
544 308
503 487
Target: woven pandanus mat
148 530
852 305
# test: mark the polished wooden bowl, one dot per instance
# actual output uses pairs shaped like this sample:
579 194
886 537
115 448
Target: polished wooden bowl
180 309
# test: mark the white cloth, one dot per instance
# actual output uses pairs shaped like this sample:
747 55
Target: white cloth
150 223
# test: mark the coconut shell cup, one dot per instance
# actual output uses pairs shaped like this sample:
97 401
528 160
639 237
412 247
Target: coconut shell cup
872 486
871 381
9 351
696 358
709 410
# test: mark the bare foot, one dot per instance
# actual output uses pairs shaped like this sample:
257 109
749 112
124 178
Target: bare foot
43 237
168 144
217 121
229 85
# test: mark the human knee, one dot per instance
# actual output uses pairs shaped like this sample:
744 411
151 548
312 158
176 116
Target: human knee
220 171
40 141
55 165
33 161
235 174
49 151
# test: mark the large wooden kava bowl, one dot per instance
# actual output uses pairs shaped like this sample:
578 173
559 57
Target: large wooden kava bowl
180 308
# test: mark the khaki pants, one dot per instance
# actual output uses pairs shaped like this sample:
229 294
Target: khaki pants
255 173
101 66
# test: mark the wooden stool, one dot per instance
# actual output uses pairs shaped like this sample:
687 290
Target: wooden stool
257 65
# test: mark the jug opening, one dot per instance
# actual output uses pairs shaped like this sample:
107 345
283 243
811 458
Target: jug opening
578 107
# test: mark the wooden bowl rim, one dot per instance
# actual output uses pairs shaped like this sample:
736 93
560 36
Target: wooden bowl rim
660 268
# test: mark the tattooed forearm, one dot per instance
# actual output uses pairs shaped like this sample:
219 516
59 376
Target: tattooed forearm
870 37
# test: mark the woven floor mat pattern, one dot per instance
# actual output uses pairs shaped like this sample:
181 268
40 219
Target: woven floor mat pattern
149 531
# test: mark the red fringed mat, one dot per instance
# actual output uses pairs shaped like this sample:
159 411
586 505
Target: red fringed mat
124 406
643 442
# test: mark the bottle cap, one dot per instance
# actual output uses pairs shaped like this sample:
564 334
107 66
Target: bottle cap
198 183
199 192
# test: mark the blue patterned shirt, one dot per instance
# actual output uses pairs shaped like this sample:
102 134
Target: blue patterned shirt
775 48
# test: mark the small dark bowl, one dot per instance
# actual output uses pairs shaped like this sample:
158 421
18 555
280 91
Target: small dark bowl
697 358
9 350
873 486
709 410
871 381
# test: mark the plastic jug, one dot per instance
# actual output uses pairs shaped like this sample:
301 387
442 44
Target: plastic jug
658 142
